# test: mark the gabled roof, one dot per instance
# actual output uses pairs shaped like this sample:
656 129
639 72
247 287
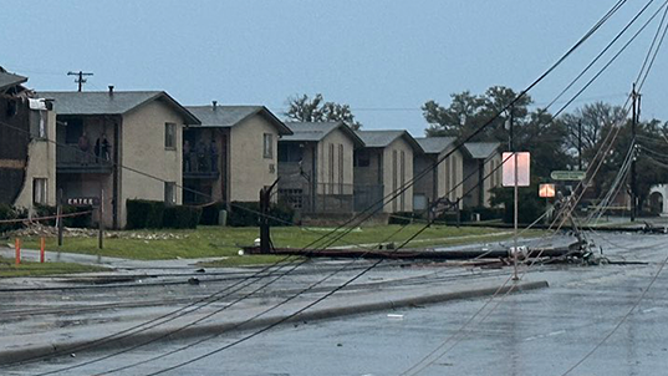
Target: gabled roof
228 116
481 150
435 145
104 103
382 139
8 80
316 131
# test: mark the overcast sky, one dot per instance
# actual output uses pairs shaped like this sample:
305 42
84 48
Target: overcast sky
384 58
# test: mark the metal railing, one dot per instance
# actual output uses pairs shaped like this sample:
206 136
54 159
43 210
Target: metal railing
70 157
331 197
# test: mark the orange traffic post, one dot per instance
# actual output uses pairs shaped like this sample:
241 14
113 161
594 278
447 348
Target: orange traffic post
17 246
42 249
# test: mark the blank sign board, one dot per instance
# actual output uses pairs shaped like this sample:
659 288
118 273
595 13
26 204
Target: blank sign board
523 167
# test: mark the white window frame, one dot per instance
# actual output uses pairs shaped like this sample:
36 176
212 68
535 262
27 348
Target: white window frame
39 191
267 145
170 136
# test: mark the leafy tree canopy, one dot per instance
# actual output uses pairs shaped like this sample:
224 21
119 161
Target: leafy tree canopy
316 109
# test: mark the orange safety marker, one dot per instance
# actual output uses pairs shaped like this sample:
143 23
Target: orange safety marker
17 246
41 249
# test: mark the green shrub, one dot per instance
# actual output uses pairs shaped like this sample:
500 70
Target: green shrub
403 218
181 217
530 206
8 213
80 221
144 214
245 214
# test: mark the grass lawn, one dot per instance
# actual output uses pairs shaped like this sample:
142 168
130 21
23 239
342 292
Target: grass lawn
35 269
209 241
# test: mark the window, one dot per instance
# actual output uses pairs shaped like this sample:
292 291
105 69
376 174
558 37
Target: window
170 193
394 180
341 168
170 135
290 153
362 159
38 124
331 165
268 148
403 180
39 191
73 130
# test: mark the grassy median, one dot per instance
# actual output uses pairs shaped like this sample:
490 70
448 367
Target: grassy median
210 241
35 269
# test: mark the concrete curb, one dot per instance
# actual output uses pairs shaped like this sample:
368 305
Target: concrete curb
13 356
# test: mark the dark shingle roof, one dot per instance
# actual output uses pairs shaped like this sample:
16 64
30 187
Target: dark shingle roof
229 116
315 132
381 139
481 150
103 103
8 80
435 145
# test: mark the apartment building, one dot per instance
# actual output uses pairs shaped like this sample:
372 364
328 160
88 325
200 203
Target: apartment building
442 180
231 153
315 166
119 145
382 167
27 148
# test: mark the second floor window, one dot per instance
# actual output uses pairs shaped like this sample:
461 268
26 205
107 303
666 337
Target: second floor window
170 135
38 124
39 191
268 146
170 193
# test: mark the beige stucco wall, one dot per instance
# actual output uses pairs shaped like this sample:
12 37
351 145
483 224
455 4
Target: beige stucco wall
143 149
451 174
249 170
403 202
41 164
328 177
494 179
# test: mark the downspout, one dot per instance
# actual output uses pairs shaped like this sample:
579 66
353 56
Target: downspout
116 176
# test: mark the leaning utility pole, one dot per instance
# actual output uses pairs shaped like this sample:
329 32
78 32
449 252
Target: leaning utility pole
80 80
516 276
580 145
634 124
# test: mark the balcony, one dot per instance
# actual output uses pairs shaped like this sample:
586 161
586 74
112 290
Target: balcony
200 166
71 160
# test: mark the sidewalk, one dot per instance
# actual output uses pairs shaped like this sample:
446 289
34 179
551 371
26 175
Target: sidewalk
34 339
120 263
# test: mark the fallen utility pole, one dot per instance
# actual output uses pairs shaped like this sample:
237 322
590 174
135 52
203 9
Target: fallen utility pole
576 250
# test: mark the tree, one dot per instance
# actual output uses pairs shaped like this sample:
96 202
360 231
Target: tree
534 131
467 112
651 160
302 108
594 118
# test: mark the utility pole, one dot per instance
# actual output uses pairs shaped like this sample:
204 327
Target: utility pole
580 145
515 194
634 179
80 80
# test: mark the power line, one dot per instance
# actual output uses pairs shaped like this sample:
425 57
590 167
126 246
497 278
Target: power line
570 51
527 89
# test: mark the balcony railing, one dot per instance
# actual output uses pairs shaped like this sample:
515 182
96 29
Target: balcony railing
200 166
70 159
332 198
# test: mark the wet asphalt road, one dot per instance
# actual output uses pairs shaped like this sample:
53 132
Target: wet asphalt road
542 332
